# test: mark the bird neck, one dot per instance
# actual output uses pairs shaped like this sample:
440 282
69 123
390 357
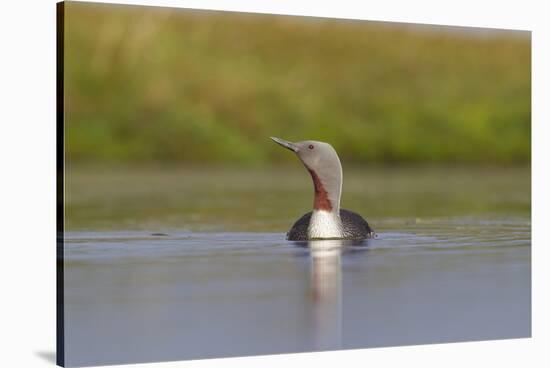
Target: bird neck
325 222
327 190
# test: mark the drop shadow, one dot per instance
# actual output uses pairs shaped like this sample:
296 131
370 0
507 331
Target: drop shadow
48 356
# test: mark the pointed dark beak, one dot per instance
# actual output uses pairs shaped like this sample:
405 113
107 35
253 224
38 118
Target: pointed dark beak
289 145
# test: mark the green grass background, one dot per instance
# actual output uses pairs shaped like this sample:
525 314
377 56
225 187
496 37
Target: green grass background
146 84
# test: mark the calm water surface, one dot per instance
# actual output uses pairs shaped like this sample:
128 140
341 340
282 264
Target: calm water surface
453 263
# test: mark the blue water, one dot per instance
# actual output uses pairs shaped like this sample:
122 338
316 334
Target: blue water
135 297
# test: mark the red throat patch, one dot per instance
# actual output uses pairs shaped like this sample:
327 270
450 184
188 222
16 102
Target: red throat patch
321 201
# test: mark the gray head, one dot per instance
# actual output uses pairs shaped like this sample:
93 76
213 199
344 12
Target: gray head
322 162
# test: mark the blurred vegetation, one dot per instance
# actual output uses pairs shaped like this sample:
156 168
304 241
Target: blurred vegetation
151 84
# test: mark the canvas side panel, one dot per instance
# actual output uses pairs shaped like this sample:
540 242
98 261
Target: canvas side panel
60 167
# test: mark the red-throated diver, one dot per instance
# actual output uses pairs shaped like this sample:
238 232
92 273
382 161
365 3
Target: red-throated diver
327 220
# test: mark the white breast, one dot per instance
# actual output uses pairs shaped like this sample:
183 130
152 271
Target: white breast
324 225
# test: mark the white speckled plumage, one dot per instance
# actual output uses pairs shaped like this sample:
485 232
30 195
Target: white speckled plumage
325 225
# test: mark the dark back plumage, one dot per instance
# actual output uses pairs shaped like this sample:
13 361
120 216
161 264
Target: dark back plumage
355 227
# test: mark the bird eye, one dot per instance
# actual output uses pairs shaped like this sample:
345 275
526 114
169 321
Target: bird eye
311 146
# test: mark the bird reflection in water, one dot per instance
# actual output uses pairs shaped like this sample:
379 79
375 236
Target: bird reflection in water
326 289
326 292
